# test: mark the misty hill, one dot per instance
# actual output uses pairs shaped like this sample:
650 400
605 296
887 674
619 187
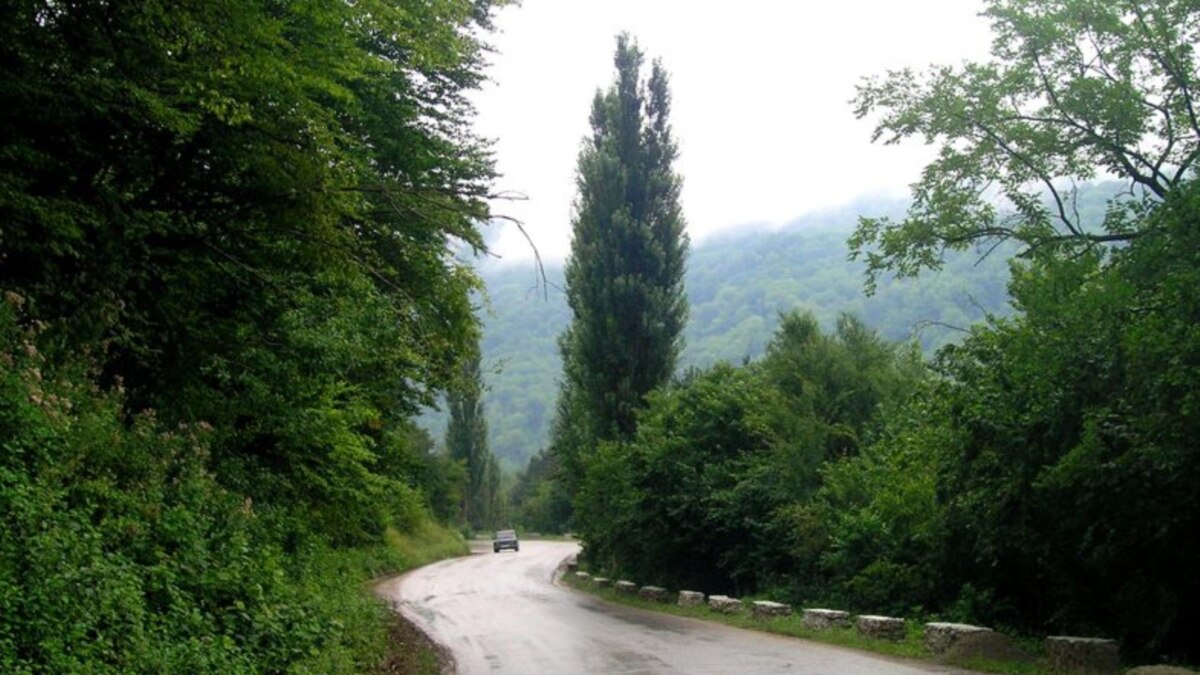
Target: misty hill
738 284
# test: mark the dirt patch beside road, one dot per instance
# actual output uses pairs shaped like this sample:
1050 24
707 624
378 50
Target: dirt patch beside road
411 652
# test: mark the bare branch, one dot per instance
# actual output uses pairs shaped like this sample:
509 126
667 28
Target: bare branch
921 325
992 249
537 256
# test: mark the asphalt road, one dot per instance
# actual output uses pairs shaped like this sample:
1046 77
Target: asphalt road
502 613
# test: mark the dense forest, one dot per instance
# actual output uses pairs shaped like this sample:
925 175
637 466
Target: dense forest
1036 474
227 233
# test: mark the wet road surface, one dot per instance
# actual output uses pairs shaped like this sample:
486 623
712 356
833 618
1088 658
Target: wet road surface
501 613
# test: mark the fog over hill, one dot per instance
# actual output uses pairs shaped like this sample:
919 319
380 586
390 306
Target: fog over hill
738 283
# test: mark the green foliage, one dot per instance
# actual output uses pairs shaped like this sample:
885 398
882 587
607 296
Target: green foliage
116 538
672 502
1056 446
624 279
832 385
1043 475
738 285
248 211
1076 88
711 492
1118 356
466 443
881 514
1048 480
519 345
413 458
539 499
231 226
122 553
1042 480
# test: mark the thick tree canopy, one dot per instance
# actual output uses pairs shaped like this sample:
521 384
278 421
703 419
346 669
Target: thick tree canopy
1047 478
1077 89
226 235
248 208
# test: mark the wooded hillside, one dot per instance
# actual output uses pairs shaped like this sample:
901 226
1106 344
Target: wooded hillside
738 284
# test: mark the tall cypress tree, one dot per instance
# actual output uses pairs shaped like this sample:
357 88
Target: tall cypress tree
466 441
625 274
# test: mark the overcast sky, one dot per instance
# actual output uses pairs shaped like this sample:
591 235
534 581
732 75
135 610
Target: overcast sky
761 92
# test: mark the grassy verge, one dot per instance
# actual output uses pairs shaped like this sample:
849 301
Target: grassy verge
369 636
911 647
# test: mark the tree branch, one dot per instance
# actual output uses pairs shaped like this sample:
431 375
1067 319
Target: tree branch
1169 67
537 256
1022 158
1119 153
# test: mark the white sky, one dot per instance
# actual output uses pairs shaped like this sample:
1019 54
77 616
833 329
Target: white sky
761 92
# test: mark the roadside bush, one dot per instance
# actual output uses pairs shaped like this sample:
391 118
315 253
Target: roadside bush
884 515
122 553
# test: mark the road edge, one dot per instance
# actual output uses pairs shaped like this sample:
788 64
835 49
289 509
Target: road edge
949 669
447 665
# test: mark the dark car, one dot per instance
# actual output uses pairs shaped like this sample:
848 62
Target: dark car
505 539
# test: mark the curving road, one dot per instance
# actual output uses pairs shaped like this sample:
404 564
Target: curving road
502 613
